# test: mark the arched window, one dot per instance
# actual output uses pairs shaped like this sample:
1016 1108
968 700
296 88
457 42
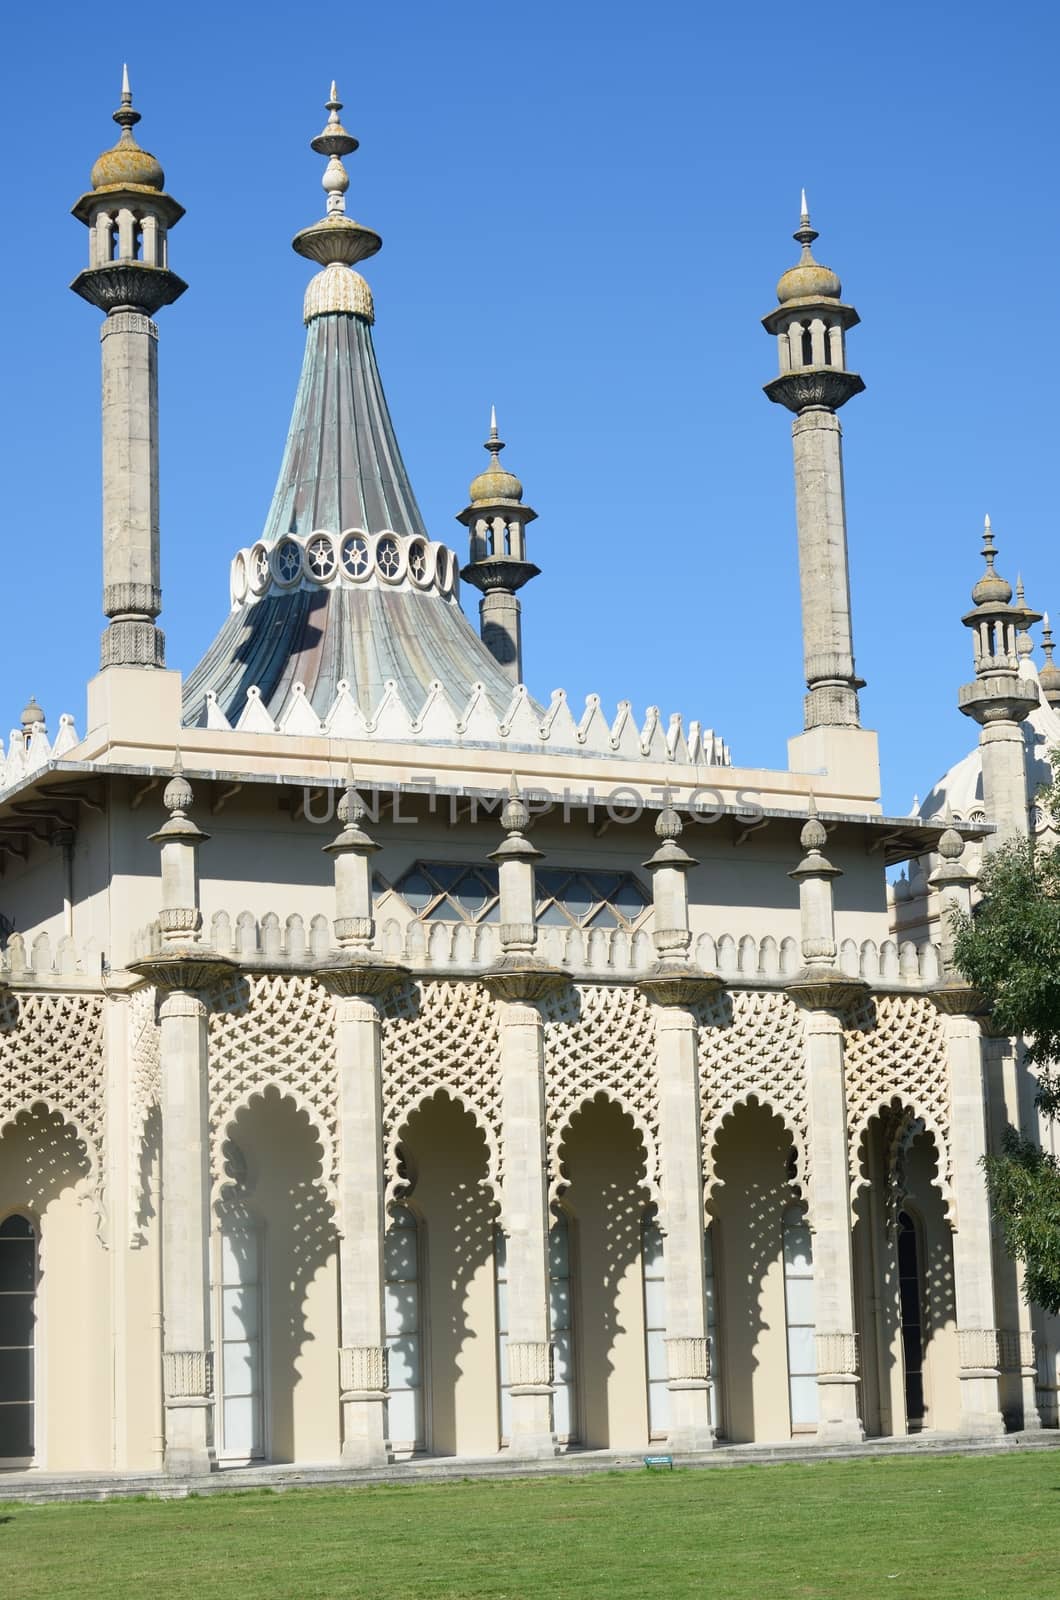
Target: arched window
801 1319
910 1292
18 1289
654 1268
404 1333
241 1383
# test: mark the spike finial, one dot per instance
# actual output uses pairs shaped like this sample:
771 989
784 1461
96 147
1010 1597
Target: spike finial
494 444
805 233
126 115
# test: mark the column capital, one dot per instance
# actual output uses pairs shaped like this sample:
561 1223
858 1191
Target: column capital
187 1377
678 985
362 1371
356 973
837 1355
825 990
520 976
979 1350
179 1003
529 1366
687 1360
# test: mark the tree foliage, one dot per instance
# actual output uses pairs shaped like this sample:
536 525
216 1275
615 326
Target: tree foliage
1009 950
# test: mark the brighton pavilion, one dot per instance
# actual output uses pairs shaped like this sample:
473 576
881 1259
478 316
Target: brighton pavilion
399 1060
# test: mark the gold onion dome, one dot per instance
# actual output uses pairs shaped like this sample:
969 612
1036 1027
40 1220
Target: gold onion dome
808 279
992 588
126 165
495 483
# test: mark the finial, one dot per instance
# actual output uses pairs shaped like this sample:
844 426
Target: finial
1047 637
334 143
126 115
814 835
494 444
992 587
32 716
177 795
950 845
668 824
805 234
350 808
515 816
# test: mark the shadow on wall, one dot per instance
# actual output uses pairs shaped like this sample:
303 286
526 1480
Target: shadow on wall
905 1306
278 1149
603 1157
752 1159
444 1154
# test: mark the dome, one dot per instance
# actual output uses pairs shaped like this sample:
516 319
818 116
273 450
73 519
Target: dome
809 281
992 589
126 164
495 484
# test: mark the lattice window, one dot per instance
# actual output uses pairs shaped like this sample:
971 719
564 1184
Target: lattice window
600 1040
440 1036
896 1052
457 892
51 1052
278 1030
752 1045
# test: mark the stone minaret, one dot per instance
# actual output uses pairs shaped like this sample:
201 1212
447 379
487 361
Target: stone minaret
999 698
810 326
128 215
496 520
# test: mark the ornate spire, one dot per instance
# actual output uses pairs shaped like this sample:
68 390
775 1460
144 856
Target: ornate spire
338 240
496 519
1049 676
992 587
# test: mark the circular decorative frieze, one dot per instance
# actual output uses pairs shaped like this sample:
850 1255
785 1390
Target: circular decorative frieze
338 560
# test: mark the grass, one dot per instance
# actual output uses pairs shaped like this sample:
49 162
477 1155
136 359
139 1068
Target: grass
951 1528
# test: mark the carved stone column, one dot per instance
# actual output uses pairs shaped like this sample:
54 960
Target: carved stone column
183 970
973 1267
675 986
518 981
359 977
824 994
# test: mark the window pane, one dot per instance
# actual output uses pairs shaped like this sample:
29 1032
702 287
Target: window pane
239 1256
656 1355
16 1375
630 900
655 1303
238 1369
16 1318
239 1314
802 1350
16 1263
502 1307
798 1251
800 1300
562 1359
240 1416
803 1402
403 1361
558 1250
561 1411
500 1251
579 898
402 1306
658 1408
402 1417
502 1360
653 1250
16 1431
559 1303
399 1253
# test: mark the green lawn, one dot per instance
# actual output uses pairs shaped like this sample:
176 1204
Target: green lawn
950 1528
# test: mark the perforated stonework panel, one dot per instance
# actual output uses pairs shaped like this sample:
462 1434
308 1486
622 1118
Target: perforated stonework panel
441 1036
896 1057
51 1052
751 1045
271 1030
600 1040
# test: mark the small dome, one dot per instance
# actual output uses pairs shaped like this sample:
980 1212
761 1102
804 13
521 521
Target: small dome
809 281
127 164
495 483
992 589
32 716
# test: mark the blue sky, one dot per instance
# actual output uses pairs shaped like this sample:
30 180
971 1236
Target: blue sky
584 209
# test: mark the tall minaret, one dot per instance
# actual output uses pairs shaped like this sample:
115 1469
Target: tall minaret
128 215
999 698
496 520
810 325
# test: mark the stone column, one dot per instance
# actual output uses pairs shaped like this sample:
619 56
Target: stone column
675 987
186 1358
825 994
358 977
828 650
500 625
519 980
132 596
183 969
973 1270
